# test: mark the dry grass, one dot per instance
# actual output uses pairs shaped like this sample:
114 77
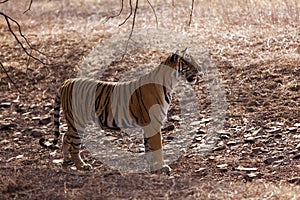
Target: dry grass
255 44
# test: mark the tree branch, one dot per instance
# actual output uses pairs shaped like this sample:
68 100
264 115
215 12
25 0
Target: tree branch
134 13
130 4
117 15
132 26
5 71
29 7
8 22
156 20
191 13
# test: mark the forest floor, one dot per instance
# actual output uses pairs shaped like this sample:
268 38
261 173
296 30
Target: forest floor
256 50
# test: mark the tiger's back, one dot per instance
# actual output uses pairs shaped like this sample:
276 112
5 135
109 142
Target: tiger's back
114 106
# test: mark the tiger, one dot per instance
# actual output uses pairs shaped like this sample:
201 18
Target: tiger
143 102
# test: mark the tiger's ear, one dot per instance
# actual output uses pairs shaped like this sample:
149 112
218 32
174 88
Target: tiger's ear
174 57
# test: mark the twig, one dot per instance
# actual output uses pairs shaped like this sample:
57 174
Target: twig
132 26
8 22
156 20
191 13
117 15
4 1
5 71
8 19
130 4
29 7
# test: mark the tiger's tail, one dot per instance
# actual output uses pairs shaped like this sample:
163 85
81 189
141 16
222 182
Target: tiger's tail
56 125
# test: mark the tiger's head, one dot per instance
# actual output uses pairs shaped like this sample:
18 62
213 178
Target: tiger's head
185 65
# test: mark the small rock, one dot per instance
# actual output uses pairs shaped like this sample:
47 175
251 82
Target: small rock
5 105
36 133
219 148
7 126
26 113
298 146
222 167
19 156
201 169
223 134
256 150
168 128
250 140
109 138
211 158
251 176
224 137
48 105
257 131
269 161
175 118
231 143
195 123
278 136
57 161
247 169
273 130
198 139
4 141
200 131
206 120
292 129
190 155
294 152
297 156
36 118
295 180
45 120
297 125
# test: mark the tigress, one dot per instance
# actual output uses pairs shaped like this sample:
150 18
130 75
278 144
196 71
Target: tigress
143 102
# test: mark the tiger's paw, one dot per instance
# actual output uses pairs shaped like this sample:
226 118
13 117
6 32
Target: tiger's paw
165 169
85 167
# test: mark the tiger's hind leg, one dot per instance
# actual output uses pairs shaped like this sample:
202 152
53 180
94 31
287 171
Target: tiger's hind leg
71 147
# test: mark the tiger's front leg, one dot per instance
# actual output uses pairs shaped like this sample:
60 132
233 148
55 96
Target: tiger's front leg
154 153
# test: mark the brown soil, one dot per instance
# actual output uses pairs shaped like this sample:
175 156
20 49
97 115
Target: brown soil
257 53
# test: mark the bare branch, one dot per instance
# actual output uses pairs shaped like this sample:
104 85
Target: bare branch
130 4
8 22
29 7
132 26
117 15
156 20
5 71
191 13
4 1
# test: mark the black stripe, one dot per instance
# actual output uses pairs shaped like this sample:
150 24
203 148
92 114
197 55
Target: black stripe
132 114
166 95
141 104
77 145
74 136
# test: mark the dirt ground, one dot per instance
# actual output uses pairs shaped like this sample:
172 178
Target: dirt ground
256 49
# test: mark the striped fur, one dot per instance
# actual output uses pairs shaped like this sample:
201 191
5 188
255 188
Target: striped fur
143 102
